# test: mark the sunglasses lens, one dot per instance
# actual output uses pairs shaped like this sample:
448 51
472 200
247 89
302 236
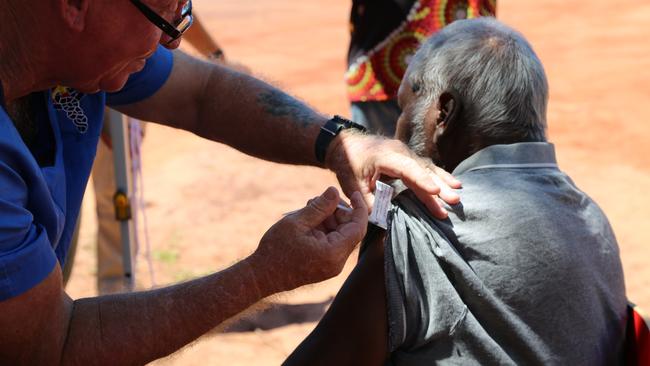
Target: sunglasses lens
184 23
187 8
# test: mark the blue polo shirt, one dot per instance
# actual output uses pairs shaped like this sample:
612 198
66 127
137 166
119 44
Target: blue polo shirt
41 186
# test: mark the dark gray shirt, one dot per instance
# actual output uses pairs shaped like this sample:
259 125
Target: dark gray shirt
525 271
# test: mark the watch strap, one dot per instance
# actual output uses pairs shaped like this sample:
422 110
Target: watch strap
329 131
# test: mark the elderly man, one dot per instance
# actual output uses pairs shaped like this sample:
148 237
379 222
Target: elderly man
525 271
58 58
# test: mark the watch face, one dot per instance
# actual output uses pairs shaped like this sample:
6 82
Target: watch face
346 123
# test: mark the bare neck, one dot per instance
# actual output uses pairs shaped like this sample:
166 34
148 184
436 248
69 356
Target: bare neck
23 47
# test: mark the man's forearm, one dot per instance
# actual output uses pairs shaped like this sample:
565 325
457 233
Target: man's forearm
258 119
239 110
139 327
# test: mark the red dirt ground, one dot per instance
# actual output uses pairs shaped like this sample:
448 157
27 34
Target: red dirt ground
209 205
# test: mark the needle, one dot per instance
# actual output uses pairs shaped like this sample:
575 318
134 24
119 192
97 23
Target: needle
340 206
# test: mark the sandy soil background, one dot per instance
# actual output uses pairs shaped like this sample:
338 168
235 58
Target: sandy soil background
208 205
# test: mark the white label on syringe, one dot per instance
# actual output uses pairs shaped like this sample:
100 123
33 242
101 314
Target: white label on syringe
379 214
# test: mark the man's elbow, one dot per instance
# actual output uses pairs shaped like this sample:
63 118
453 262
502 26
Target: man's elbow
35 324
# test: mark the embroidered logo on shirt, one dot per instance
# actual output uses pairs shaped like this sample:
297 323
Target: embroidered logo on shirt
68 100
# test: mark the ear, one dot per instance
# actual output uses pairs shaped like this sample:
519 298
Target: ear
74 13
448 112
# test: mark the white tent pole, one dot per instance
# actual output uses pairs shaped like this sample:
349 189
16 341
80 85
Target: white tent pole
118 128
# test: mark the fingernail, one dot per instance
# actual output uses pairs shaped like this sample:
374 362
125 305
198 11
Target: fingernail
330 194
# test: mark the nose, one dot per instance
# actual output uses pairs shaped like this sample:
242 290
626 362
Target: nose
165 42
403 129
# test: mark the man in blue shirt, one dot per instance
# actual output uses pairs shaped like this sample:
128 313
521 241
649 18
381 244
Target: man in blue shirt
58 60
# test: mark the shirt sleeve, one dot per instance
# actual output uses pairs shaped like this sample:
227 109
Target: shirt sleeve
422 304
147 81
26 254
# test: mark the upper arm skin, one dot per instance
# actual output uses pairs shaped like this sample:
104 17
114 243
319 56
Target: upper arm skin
354 331
33 325
174 104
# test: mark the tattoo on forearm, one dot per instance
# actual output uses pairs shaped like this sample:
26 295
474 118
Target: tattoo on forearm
279 104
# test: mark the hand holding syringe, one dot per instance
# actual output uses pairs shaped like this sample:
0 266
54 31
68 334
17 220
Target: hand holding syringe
378 216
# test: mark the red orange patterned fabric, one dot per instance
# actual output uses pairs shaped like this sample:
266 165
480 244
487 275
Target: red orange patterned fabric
376 76
637 347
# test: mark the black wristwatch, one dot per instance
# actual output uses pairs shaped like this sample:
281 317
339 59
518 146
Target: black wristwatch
329 131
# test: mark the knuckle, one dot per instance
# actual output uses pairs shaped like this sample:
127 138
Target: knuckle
395 144
317 205
411 164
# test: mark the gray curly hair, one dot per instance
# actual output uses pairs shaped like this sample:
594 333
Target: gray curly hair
495 72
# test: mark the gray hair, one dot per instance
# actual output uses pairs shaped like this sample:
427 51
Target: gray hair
495 72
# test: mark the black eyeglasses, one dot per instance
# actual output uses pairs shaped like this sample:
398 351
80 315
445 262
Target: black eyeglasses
174 31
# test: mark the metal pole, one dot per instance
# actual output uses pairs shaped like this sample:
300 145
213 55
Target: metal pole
122 199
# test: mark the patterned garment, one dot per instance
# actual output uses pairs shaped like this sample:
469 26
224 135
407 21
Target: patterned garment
376 75
68 100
